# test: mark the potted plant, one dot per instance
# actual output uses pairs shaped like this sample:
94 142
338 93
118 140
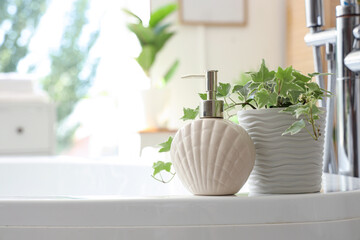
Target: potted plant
279 111
152 37
276 105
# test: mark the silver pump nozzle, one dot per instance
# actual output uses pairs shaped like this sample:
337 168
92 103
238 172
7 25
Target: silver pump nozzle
211 107
211 84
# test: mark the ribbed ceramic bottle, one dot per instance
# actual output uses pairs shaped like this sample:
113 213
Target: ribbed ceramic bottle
284 164
212 156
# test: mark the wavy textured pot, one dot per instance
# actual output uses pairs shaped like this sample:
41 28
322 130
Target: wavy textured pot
212 156
284 164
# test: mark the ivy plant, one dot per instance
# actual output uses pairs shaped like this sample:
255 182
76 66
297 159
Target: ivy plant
286 89
161 166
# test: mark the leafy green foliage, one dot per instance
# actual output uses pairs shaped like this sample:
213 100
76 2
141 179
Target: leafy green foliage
132 14
158 15
146 57
203 96
165 146
190 114
243 79
264 98
285 88
160 166
295 127
24 17
223 89
153 37
263 75
67 84
170 73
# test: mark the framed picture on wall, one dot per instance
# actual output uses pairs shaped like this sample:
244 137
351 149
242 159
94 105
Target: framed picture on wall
213 12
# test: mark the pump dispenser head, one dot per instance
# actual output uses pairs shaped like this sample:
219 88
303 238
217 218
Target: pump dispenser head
211 107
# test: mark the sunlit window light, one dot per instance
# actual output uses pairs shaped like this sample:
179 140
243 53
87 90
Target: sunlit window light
111 113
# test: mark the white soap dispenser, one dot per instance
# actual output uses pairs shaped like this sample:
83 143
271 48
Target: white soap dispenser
212 156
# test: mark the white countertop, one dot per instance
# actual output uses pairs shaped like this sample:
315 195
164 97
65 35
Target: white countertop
339 200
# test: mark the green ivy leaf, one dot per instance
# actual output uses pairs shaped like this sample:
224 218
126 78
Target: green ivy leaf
291 109
288 87
313 86
165 146
315 109
242 91
295 127
270 85
237 88
294 96
300 77
263 75
262 98
311 75
247 91
285 75
161 166
190 114
302 110
223 89
203 96
253 87
272 99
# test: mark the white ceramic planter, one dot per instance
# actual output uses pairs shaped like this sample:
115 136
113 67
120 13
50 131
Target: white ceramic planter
284 164
212 156
155 101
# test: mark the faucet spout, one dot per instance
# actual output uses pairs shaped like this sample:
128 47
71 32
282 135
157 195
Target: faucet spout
345 62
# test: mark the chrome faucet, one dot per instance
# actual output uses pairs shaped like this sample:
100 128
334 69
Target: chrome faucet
342 52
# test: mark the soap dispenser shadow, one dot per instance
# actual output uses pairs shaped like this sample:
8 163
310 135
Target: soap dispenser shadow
211 155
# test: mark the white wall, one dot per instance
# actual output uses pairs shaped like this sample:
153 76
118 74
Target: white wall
230 50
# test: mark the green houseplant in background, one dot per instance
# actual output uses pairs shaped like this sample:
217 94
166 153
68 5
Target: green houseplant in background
279 111
153 36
